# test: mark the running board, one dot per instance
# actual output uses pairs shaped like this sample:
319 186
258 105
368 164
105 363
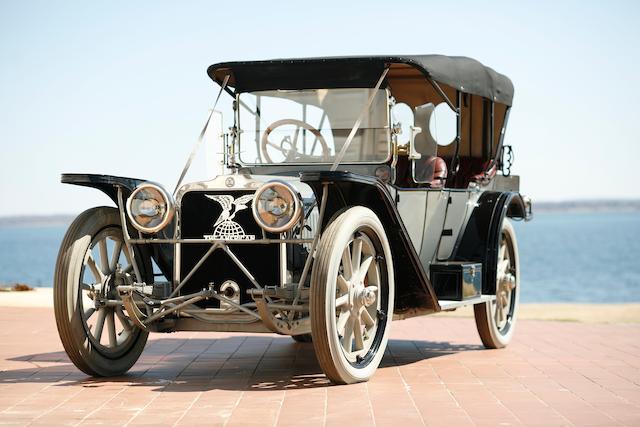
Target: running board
447 305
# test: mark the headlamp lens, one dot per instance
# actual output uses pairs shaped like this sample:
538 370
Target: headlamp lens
149 208
276 207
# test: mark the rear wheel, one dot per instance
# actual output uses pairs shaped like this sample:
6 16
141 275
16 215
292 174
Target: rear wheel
351 302
95 331
496 319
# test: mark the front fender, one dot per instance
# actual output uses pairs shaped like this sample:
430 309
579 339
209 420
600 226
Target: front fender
414 291
108 184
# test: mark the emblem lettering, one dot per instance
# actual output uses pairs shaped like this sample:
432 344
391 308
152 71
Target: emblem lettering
225 228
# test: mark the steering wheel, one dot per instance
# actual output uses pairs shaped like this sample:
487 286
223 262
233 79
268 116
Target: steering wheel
287 147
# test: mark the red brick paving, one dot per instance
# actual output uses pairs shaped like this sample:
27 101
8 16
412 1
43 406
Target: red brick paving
435 373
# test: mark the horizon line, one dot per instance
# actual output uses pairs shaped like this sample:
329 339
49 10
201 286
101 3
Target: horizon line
547 203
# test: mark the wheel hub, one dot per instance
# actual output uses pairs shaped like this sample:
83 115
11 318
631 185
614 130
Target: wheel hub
104 321
107 289
506 283
361 296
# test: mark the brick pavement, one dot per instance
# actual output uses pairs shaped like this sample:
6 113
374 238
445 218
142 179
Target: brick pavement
435 373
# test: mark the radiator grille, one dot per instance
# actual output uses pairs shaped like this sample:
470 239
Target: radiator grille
199 213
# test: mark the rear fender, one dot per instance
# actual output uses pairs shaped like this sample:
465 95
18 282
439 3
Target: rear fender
481 238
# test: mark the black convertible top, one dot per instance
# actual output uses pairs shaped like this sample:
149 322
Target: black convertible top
464 74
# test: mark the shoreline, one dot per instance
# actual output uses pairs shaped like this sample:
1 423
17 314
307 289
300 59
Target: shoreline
564 312
540 206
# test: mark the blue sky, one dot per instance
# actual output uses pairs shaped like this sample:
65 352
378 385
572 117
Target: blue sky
120 87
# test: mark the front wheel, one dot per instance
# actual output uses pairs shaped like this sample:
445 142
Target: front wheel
95 331
352 294
496 319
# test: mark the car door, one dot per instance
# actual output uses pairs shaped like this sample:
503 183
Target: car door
458 205
411 204
435 214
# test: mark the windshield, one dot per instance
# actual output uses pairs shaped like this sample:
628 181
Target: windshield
311 126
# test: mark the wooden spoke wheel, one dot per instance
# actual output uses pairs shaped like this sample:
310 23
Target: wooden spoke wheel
352 294
95 330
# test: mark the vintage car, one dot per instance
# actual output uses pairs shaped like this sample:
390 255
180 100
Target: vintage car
342 206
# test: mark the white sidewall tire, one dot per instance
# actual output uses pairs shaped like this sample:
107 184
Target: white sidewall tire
322 308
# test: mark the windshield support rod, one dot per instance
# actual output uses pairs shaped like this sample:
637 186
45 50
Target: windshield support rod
315 140
356 125
201 137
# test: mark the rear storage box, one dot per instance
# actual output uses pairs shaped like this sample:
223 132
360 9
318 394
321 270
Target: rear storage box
457 281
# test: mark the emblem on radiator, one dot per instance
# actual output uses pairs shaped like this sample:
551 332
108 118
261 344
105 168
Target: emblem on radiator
225 228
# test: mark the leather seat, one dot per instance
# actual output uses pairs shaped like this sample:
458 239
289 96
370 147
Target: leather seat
433 170
438 168
487 175
472 169
439 172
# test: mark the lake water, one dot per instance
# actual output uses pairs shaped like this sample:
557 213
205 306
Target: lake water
565 257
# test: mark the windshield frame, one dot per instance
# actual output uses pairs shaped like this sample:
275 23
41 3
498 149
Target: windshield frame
238 132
